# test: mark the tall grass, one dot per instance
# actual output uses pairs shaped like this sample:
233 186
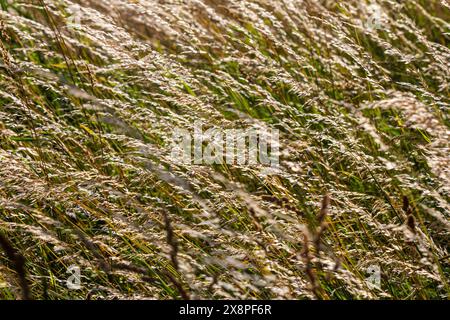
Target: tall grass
91 91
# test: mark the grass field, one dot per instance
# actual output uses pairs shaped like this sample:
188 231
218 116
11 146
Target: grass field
91 92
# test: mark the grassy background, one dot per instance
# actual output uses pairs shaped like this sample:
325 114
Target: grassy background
87 114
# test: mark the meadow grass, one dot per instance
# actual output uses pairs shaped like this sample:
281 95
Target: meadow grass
92 90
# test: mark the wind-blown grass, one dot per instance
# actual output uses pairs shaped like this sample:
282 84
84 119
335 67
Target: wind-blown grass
87 114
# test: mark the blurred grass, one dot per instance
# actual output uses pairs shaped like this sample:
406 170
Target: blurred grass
87 115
